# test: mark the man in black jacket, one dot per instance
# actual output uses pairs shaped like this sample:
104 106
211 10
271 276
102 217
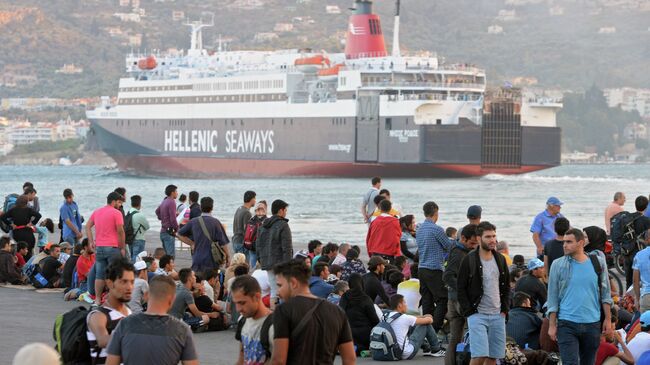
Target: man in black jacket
468 242
274 244
371 282
483 291
524 324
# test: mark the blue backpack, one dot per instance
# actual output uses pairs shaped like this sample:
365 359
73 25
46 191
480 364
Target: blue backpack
10 201
383 342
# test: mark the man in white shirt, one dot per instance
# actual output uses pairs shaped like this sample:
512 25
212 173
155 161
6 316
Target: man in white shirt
368 203
402 323
641 342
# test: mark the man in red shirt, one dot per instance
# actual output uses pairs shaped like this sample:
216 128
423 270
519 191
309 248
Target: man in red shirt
108 238
21 251
384 234
608 349
84 263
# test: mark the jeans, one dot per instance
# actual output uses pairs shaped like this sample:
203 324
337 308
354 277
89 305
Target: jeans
434 296
91 280
487 335
71 240
103 257
168 243
136 247
456 324
252 259
627 265
273 284
417 339
578 342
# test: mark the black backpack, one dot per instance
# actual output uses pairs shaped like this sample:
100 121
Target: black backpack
624 236
264 333
70 335
129 231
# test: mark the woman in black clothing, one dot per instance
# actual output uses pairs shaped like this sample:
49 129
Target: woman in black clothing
360 312
22 219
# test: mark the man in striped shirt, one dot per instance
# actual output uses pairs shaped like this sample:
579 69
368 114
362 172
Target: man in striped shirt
103 320
433 246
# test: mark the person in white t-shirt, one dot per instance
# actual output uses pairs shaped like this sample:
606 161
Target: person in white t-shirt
641 342
402 323
262 278
410 289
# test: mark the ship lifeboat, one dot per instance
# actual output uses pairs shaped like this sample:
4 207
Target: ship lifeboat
312 64
148 63
330 73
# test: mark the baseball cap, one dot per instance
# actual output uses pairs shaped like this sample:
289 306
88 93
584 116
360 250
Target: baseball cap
535 264
554 201
474 212
376 261
140 265
644 320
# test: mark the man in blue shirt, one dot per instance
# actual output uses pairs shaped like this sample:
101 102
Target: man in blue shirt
576 296
543 227
317 284
433 247
641 267
70 219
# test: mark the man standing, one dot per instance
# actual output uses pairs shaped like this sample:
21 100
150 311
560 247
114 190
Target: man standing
242 216
532 283
368 204
543 225
307 329
613 209
474 213
70 218
255 329
169 339
577 296
483 295
433 245
641 224
140 226
274 243
468 242
166 214
554 249
201 244
384 234
108 239
641 267
195 208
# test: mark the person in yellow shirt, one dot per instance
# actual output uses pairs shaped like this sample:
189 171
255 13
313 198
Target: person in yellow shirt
503 249
395 211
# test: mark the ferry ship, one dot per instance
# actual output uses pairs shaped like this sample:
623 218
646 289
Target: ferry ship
360 113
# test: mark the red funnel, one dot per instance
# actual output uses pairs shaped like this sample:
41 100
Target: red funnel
364 38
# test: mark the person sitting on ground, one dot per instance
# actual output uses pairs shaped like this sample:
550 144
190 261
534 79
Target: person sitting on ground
240 270
158 253
360 311
255 328
384 234
21 252
184 306
641 342
410 290
342 252
103 320
9 273
167 267
518 262
66 251
401 265
395 277
171 340
608 351
262 278
85 263
402 323
532 284
335 274
317 284
315 248
504 249
50 268
206 305
211 284
451 232
352 265
340 288
372 284
238 259
140 294
152 267
329 253
524 324
43 230
69 268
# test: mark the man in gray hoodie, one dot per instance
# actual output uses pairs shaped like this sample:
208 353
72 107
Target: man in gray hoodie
274 243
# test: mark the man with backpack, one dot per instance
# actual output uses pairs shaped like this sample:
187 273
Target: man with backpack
242 217
103 320
255 326
169 339
626 233
135 227
578 297
250 236
404 346
274 243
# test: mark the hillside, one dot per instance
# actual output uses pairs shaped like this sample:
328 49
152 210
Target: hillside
554 41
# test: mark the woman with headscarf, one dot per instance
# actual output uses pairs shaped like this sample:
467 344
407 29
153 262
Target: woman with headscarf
360 311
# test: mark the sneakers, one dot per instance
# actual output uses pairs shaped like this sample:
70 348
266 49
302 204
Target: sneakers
439 353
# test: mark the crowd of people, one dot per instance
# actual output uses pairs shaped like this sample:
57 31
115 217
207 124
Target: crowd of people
425 289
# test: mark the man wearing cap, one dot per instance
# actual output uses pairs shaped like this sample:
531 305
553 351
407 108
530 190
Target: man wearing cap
543 227
140 294
371 283
107 239
577 295
532 284
641 342
474 214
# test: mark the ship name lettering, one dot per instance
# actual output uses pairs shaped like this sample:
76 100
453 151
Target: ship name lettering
191 141
254 141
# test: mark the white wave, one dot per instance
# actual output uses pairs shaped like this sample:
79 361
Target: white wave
559 179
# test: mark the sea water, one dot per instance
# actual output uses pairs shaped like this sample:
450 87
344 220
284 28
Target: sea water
329 209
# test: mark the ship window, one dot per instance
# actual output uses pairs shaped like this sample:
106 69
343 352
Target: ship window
389 124
438 121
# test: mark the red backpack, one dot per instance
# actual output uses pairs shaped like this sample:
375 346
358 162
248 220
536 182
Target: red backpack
250 236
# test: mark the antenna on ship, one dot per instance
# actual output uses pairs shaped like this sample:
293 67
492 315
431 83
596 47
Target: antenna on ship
196 43
396 52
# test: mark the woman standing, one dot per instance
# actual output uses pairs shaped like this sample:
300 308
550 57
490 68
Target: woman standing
408 245
22 219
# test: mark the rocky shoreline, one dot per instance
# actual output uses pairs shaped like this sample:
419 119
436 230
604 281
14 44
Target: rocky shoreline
54 158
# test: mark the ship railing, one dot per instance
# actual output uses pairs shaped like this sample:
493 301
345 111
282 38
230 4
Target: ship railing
436 97
416 84
461 67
